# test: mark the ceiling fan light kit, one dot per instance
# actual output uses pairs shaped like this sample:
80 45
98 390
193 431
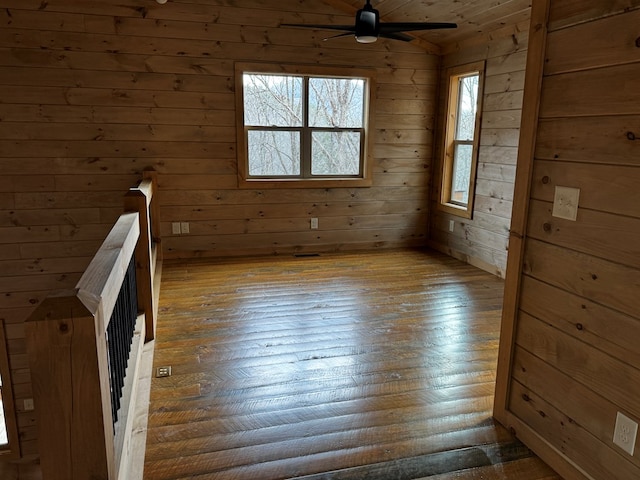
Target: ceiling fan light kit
368 28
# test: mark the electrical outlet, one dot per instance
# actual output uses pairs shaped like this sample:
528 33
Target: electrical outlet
184 227
163 372
175 228
28 404
452 225
625 432
314 223
565 203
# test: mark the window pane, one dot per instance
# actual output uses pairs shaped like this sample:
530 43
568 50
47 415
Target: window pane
467 105
273 153
336 102
335 153
272 100
461 174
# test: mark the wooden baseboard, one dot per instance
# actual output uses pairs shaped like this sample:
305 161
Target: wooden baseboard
547 452
290 250
476 262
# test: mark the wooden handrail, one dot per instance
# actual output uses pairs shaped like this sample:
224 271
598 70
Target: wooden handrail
99 285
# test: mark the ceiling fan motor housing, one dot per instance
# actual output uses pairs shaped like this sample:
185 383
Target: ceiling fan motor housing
367 24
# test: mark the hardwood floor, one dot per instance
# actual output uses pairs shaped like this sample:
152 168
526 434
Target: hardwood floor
349 366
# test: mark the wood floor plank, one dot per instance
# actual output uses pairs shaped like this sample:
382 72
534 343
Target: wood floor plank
345 366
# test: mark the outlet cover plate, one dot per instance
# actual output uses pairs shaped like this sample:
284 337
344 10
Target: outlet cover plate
625 432
565 203
162 372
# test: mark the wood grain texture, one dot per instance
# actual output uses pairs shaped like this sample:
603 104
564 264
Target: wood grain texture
481 240
474 18
573 366
93 93
343 366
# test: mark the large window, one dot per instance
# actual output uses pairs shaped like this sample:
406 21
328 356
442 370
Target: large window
302 127
461 138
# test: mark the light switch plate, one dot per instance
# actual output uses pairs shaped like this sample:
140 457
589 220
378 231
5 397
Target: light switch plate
565 203
175 228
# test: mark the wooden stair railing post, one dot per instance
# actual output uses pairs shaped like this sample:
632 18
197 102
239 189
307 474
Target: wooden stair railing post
138 200
154 212
68 361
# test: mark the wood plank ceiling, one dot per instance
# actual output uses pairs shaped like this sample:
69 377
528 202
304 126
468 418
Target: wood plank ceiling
472 16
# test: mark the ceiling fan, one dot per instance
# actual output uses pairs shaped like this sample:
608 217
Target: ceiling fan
368 28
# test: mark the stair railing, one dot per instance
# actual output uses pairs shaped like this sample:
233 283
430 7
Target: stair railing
84 349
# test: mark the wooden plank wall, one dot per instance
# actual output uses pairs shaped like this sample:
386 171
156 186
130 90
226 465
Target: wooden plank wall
576 361
482 240
227 221
93 92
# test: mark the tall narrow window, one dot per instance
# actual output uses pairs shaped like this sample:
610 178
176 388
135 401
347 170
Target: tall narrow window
461 138
302 127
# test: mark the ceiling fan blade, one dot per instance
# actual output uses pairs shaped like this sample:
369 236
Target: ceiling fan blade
396 27
347 34
346 28
397 36
368 27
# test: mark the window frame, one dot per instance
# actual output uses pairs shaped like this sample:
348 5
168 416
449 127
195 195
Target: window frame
453 76
10 451
364 179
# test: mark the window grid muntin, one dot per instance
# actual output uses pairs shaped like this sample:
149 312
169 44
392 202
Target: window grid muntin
307 131
448 202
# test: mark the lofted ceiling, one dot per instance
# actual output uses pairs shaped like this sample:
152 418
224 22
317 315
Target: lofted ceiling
474 17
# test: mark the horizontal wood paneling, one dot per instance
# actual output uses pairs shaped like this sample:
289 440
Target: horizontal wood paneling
573 12
576 362
599 139
91 93
612 41
609 90
545 418
482 240
582 318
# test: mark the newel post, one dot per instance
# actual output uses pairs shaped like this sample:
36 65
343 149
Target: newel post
139 200
154 211
68 361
